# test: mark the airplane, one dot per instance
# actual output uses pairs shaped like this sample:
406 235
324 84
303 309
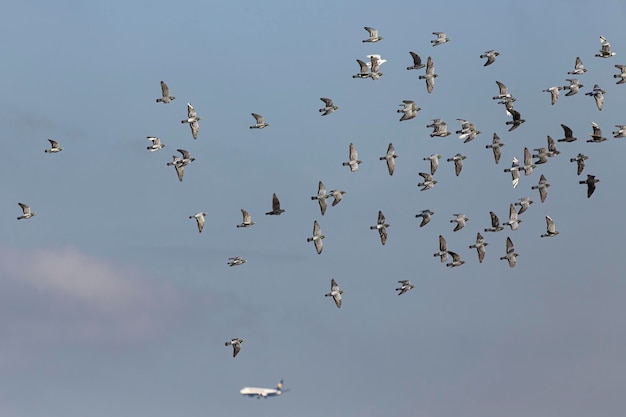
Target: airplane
263 392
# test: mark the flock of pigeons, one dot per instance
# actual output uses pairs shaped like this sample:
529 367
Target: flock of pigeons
409 110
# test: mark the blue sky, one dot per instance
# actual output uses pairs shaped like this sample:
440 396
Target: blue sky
111 302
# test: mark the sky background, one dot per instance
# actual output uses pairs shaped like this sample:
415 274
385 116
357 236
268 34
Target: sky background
112 304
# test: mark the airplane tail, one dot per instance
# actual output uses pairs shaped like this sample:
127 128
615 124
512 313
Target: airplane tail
279 386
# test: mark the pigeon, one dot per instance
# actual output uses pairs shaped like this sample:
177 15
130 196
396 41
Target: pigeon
192 119
514 170
375 63
620 132
468 131
549 153
317 237
405 285
504 93
495 147
456 260
329 106
460 221
528 163
417 62
335 292
510 256
523 204
491 56
621 75
337 195
165 93
373 35
321 197
247 219
276 210
542 155
54 147
598 94
27 214
440 128
513 220
364 70
199 219
458 162
237 260
542 187
179 163
236 344
430 75
434 162
260 122
425 215
381 226
605 49
390 158
156 144
435 123
554 93
591 184
443 250
495 223
569 135
480 247
428 182
441 38
596 136
517 119
409 111
579 68
573 86
550 228
580 162
354 161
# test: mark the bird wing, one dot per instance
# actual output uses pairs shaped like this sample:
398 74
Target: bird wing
165 90
191 112
259 119
353 153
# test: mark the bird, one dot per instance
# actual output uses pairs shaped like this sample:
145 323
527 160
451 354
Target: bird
569 135
495 223
528 163
598 94
510 256
596 136
260 122
435 123
276 210
495 146
491 56
373 35
552 151
513 220
573 86
417 62
329 106
409 111
621 75
480 247
504 93
620 132
236 344
430 75
321 197
456 260
235 261
554 93
468 131
390 158
364 70
580 162
579 68
460 221
428 182
199 220
381 226
54 147
514 170
156 144
523 203
335 292
440 128
354 161
434 162
458 162
27 213
542 155
425 215
317 237
192 119
441 38
550 228
374 64
247 219
542 186
337 195
516 121
405 285
165 94
443 250
179 163
591 184
605 49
